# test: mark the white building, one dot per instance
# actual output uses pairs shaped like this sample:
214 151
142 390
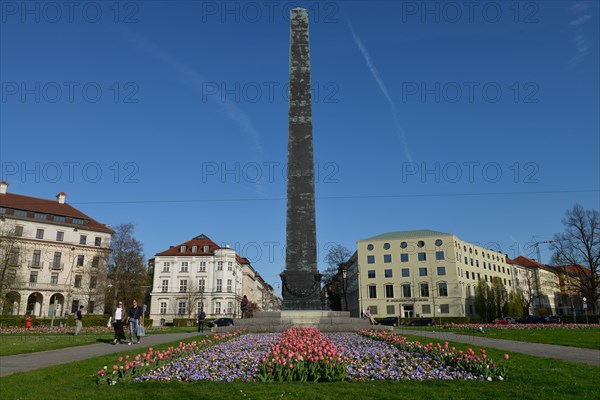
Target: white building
199 274
54 257
538 284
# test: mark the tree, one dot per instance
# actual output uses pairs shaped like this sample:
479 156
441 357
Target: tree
483 301
127 270
10 252
579 247
332 279
514 306
499 297
193 295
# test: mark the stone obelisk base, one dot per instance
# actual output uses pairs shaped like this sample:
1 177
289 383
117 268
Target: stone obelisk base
279 321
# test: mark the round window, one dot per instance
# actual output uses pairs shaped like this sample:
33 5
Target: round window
369 247
439 242
403 245
386 246
420 243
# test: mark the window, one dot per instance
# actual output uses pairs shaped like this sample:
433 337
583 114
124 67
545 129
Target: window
467 274
54 278
403 245
442 271
477 263
389 291
90 307
166 266
206 248
74 306
97 241
229 266
370 259
82 239
37 255
486 279
164 287
96 262
33 276
374 310
391 310
14 257
439 255
404 257
230 306
77 281
471 260
181 308
217 307
386 246
426 309
183 285
80 259
220 266
424 289
56 261
371 274
182 249
195 250
219 285
199 307
387 258
93 281
39 234
484 266
466 260
18 230
163 307
229 281
423 271
78 221
202 266
406 290
422 257
388 273
58 218
201 285
2 210
372 292
420 243
370 247
439 242
60 236
443 289
405 272
21 213
503 270
445 308
184 266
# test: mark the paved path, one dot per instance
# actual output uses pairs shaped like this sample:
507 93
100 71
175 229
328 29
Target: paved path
566 353
31 361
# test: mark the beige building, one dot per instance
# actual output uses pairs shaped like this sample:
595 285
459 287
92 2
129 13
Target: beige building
53 257
421 273
538 284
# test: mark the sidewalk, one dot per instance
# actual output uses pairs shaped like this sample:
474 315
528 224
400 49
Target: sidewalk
31 361
565 353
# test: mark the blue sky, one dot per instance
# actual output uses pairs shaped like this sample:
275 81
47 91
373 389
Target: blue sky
480 121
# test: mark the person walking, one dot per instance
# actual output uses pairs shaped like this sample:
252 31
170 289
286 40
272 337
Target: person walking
201 318
78 321
118 324
136 317
244 306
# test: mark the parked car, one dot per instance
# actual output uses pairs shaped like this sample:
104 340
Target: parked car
553 319
531 319
221 322
422 322
389 321
503 321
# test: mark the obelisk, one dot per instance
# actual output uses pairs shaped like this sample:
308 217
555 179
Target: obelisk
301 279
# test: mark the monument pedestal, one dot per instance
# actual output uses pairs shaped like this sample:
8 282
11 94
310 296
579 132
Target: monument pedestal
279 321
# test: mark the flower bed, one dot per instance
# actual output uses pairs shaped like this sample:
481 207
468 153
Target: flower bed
308 355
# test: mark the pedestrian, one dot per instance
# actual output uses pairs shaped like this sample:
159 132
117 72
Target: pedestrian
78 321
369 316
244 306
136 317
118 324
28 322
201 318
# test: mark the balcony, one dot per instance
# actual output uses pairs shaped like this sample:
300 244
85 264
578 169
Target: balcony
57 266
50 287
38 265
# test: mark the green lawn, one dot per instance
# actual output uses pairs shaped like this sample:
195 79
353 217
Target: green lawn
529 378
588 338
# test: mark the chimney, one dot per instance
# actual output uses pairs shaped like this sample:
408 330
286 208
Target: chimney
3 186
61 197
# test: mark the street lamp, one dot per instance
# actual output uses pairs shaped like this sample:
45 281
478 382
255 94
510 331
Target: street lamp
344 285
585 309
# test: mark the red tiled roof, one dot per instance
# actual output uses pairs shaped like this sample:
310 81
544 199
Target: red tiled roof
35 204
199 241
527 262
573 269
242 260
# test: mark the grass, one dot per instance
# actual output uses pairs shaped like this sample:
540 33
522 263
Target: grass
529 378
587 338
30 342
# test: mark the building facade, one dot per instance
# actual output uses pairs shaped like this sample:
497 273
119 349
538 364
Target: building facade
421 273
199 274
538 285
53 257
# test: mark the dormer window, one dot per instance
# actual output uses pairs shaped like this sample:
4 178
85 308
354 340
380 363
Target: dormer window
182 249
206 248
194 249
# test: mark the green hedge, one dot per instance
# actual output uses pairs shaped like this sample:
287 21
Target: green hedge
592 318
18 321
440 320
184 322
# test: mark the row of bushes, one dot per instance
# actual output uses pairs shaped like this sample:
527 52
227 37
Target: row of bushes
11 321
